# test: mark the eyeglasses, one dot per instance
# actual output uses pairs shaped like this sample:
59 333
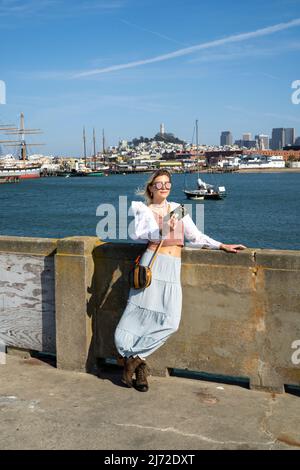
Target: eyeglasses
161 185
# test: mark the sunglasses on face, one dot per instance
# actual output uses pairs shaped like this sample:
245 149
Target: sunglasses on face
160 185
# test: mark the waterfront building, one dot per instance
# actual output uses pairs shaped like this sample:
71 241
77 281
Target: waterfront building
261 161
278 138
249 144
262 141
290 136
226 138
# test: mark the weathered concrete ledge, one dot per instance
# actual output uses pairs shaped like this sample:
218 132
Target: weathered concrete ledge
28 245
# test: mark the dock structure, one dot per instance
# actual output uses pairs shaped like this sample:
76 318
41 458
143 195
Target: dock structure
240 313
237 348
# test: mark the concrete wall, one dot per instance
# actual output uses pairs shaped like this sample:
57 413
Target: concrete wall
240 311
27 311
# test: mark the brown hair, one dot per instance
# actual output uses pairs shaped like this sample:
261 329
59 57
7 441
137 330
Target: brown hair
146 192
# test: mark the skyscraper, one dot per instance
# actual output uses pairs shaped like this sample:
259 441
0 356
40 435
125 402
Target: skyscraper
289 136
278 138
247 136
262 141
226 138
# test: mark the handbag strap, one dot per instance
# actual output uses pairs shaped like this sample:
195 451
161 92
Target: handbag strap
155 254
158 246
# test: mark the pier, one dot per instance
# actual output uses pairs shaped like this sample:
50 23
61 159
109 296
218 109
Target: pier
60 302
44 408
240 312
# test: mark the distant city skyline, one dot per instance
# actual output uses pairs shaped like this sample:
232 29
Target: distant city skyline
120 66
281 137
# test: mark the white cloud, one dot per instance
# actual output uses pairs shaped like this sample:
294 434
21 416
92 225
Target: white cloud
21 7
236 53
17 8
190 50
155 33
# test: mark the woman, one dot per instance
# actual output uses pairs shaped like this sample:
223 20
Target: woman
153 314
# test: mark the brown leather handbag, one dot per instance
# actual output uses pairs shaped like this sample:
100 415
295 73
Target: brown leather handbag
140 276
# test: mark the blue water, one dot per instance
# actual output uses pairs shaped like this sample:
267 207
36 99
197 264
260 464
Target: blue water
260 210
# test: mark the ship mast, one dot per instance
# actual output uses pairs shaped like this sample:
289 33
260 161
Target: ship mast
20 132
84 146
103 141
197 146
94 142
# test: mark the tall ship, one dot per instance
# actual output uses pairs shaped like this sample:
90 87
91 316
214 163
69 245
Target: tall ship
19 167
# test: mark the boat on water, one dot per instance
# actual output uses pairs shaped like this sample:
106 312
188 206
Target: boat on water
20 171
85 172
204 190
9 179
95 173
20 167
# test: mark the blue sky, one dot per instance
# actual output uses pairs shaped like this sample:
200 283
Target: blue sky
127 65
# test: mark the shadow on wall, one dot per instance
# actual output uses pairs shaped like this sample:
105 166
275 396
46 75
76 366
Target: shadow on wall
108 295
48 306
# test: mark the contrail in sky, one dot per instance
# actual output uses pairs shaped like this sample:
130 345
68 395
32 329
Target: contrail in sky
198 47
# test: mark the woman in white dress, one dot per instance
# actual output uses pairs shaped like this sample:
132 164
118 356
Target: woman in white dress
153 314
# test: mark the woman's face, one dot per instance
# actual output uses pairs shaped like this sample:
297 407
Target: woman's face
161 187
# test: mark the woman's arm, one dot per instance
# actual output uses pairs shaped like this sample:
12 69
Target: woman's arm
232 248
196 238
200 240
144 226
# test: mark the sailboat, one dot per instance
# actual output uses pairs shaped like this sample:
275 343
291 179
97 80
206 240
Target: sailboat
211 191
205 190
86 171
20 169
195 194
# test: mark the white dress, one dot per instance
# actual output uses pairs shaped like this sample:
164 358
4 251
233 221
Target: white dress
153 314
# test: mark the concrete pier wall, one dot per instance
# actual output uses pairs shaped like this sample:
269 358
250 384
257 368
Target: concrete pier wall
241 312
27 297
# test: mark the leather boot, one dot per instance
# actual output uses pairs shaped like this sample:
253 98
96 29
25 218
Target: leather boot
130 364
120 360
141 373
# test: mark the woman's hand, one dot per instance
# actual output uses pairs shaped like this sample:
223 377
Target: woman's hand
170 224
232 248
173 222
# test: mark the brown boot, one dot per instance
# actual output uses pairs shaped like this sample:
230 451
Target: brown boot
130 364
141 373
120 360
